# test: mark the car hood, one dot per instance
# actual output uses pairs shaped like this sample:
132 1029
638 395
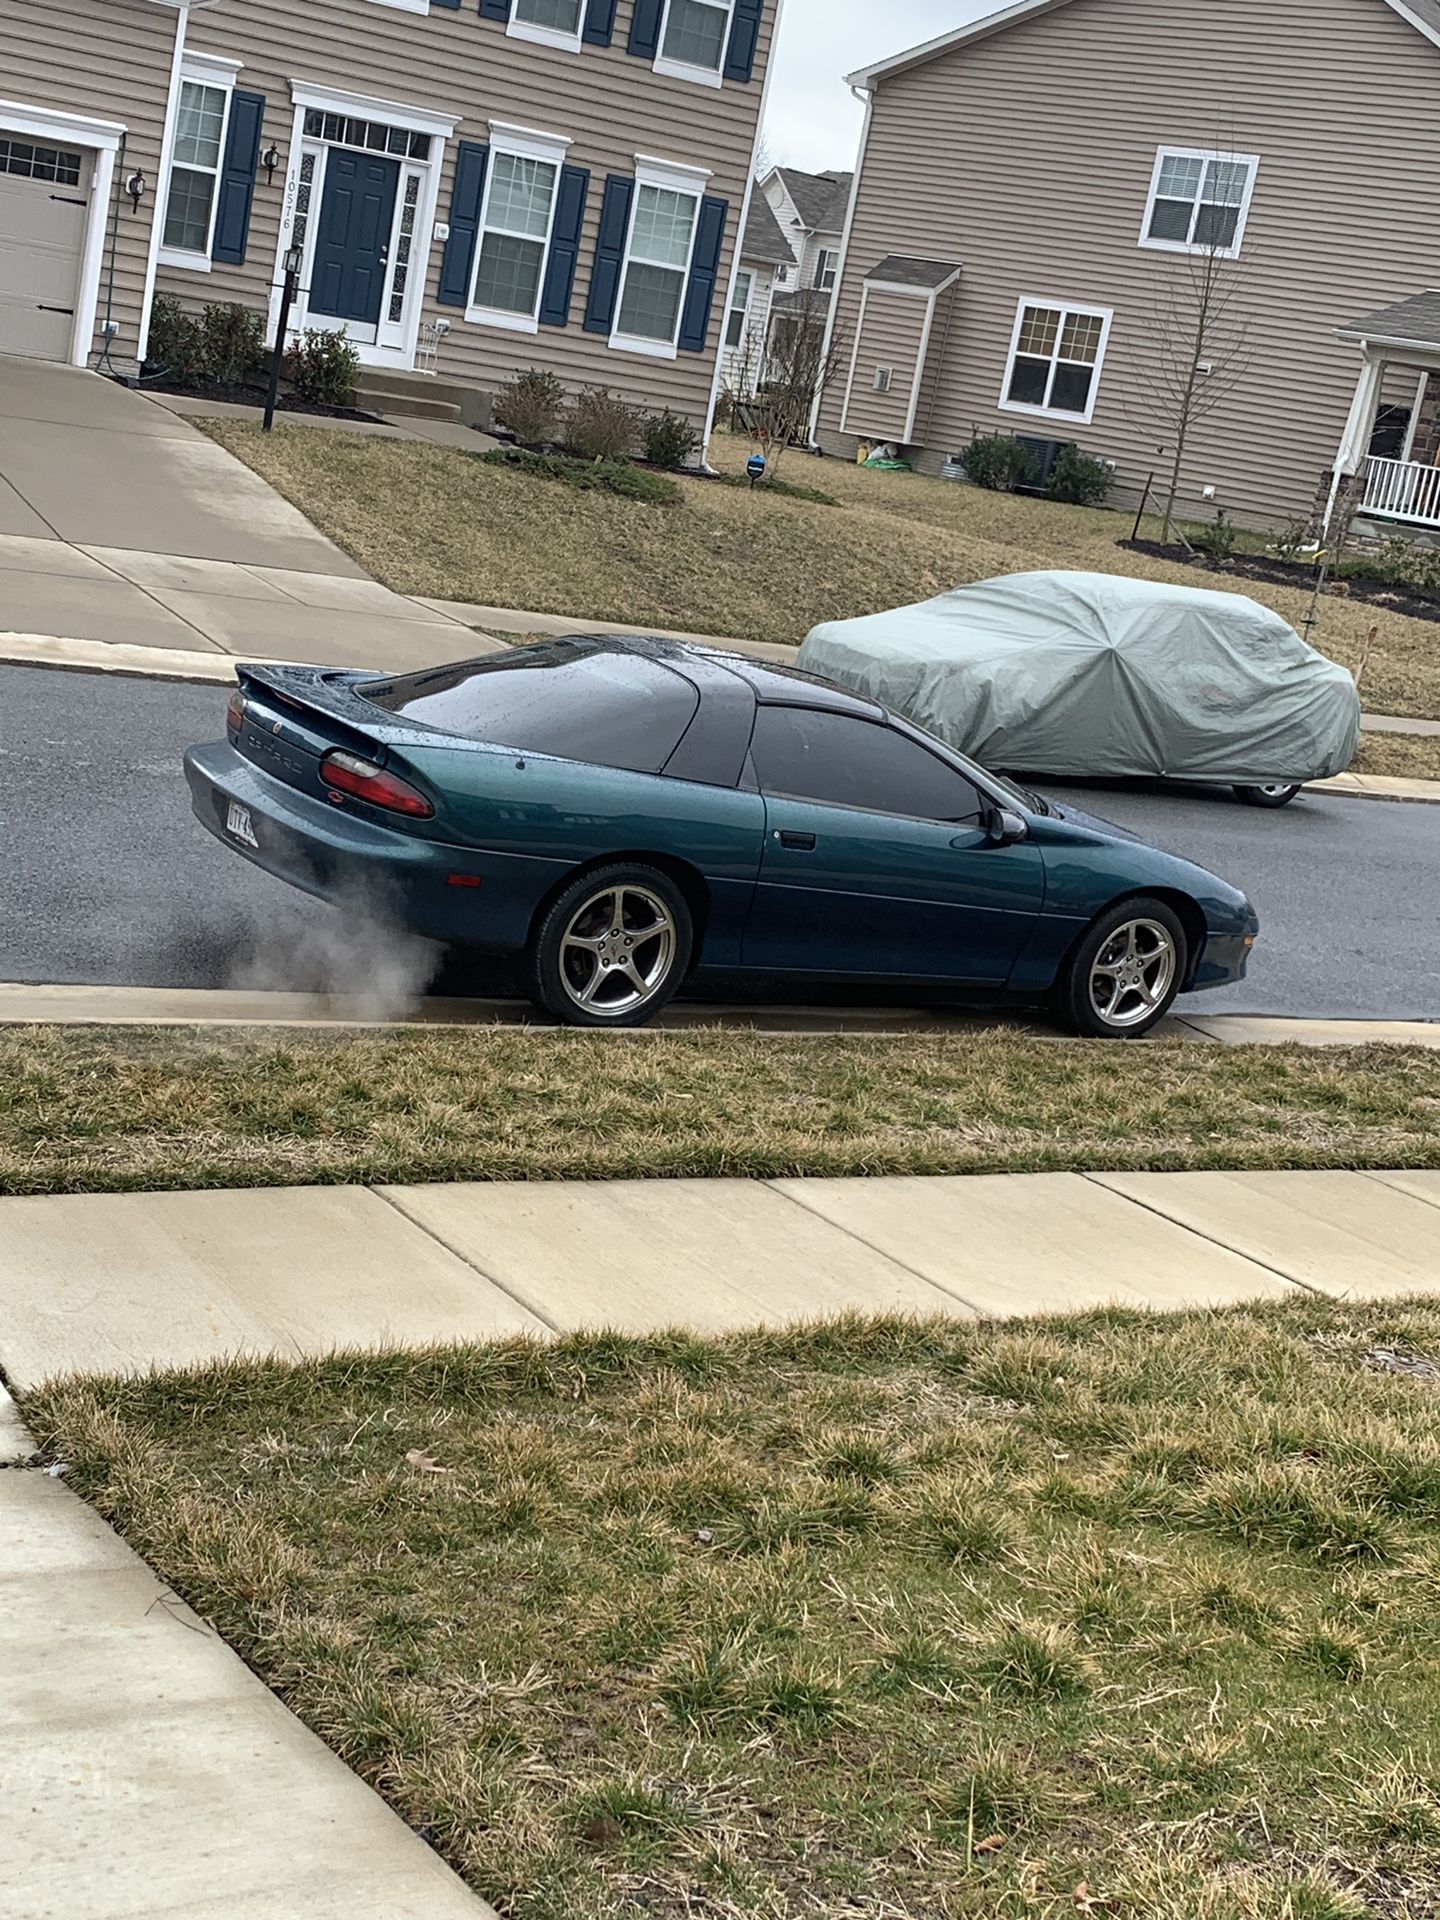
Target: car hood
1095 823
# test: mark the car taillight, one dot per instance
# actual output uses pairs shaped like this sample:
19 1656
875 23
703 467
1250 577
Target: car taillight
348 773
235 712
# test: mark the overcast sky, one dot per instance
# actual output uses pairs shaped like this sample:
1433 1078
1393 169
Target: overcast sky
814 121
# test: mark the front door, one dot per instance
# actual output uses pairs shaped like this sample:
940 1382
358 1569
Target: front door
352 242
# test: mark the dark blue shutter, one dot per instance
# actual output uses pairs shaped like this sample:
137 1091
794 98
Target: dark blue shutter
494 9
744 39
237 178
564 246
645 28
599 23
457 265
704 271
609 254
445 3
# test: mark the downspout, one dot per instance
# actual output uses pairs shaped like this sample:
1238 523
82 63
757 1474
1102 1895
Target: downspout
867 94
740 239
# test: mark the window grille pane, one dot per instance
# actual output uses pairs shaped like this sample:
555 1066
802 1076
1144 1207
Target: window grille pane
650 307
1028 382
197 131
1081 337
563 15
664 222
1039 330
1071 390
520 194
695 33
1180 178
187 212
1225 182
508 275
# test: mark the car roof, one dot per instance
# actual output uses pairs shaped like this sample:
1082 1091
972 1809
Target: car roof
771 682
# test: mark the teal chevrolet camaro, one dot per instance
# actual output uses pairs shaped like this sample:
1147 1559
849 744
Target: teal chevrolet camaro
629 815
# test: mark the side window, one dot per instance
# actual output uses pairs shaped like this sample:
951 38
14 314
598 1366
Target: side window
844 762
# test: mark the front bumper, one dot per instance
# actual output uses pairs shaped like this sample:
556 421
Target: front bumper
335 853
1224 959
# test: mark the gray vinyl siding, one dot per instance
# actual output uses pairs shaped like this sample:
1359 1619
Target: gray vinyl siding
890 336
607 103
109 60
1339 98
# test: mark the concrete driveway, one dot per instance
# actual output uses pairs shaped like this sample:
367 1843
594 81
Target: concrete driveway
86 461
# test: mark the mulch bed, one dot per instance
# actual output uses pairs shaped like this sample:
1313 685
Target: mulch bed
1293 573
246 396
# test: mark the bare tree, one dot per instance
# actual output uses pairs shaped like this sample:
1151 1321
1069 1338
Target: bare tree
1200 333
775 381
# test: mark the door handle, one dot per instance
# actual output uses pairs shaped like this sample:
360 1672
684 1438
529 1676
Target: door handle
799 842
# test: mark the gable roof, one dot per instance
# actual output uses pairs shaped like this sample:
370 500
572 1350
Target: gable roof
905 270
762 238
1423 15
822 200
1409 323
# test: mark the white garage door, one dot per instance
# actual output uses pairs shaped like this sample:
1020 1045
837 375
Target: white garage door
44 193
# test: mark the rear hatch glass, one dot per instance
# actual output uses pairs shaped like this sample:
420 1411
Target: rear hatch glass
611 708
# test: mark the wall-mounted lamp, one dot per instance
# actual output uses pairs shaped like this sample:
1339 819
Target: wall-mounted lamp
135 187
270 159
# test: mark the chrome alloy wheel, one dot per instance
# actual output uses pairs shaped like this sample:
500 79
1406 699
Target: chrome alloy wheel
1133 973
618 949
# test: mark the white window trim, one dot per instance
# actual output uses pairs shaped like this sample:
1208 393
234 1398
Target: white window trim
832 255
524 143
750 277
1251 161
102 139
545 36
670 177
200 70
1105 315
364 106
682 69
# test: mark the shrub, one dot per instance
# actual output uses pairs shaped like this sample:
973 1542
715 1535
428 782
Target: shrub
233 343
176 349
530 407
588 476
601 426
1218 539
997 461
670 440
1079 479
323 368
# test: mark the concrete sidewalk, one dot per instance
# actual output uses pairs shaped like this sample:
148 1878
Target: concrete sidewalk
118 1282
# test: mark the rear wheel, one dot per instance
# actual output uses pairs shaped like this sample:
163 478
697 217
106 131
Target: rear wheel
612 949
1124 975
1278 793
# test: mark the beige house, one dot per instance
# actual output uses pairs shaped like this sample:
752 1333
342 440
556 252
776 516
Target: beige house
1041 192
468 188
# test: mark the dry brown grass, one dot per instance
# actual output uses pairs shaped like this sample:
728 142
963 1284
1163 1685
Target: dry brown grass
435 521
1412 756
90 1109
1112 1615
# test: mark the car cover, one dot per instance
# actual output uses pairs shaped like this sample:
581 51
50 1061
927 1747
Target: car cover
1099 675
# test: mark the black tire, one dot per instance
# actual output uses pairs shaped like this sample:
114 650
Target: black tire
1276 794
1137 1008
591 967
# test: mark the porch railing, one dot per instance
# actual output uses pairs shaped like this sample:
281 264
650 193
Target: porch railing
1402 490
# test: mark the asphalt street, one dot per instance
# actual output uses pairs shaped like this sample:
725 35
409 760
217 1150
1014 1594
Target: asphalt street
107 879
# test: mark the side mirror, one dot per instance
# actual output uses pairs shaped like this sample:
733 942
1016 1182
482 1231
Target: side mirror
1006 829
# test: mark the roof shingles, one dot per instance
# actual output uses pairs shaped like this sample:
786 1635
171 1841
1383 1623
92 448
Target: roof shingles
822 200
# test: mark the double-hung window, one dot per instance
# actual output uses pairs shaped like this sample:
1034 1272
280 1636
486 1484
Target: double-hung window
825 264
193 187
554 23
1056 353
739 312
658 254
1199 202
693 37
516 219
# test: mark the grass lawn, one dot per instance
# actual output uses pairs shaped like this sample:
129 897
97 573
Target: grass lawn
1413 756
104 1109
437 521
1114 1615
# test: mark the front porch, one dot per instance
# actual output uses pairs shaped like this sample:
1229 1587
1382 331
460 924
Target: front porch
1389 453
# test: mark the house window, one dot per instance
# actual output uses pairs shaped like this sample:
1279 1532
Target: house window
693 39
1199 202
1056 354
22 157
739 310
825 265
554 23
657 265
884 379
195 168
374 135
515 224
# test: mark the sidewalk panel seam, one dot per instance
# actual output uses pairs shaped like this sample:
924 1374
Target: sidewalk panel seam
1198 1233
870 1247
388 1197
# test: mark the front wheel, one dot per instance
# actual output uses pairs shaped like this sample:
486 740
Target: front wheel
1124 975
1278 793
612 949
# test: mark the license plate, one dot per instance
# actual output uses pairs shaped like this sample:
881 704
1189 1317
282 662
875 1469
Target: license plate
237 821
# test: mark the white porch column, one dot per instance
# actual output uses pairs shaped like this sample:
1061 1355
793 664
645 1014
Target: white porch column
1359 426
